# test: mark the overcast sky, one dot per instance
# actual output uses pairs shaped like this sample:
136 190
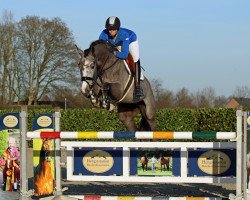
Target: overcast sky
183 43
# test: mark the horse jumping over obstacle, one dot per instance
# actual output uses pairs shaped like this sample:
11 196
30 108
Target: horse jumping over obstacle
105 80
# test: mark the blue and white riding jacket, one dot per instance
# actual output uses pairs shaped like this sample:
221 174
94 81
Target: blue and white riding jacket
123 38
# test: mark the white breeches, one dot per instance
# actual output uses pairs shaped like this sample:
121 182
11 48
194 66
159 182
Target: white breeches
134 50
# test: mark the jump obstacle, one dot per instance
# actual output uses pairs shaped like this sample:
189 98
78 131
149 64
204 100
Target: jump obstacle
236 142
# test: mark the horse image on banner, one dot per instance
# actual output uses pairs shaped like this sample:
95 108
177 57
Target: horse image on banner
43 156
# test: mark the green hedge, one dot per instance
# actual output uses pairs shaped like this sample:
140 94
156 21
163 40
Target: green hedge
196 120
3 142
167 119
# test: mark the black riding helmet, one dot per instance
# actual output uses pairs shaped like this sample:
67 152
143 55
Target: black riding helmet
113 23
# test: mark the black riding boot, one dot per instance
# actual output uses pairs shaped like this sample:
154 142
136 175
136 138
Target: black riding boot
138 92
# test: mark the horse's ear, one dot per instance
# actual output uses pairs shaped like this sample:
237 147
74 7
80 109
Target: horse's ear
86 52
81 52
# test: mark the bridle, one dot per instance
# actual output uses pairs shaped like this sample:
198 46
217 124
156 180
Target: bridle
96 81
87 79
98 74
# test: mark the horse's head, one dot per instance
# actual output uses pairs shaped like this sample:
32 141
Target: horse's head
88 70
92 61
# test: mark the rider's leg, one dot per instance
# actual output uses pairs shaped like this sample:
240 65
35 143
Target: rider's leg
134 51
138 93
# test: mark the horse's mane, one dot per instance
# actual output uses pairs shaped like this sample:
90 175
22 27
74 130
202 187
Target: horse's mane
96 42
106 43
92 45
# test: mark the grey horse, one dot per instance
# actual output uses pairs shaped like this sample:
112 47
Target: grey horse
107 81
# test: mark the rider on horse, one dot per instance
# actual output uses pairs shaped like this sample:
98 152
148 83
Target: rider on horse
126 41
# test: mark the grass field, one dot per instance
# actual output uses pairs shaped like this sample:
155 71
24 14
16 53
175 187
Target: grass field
157 171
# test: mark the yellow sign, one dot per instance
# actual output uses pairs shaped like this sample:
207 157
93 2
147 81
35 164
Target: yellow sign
214 162
44 121
98 161
10 121
248 120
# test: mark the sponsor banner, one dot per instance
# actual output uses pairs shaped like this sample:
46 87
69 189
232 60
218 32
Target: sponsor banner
10 150
98 161
143 162
211 162
9 121
43 156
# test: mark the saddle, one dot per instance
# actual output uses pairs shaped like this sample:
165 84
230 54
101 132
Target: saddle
130 61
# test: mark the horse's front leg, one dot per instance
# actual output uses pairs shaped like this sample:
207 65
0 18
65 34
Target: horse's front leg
95 100
105 96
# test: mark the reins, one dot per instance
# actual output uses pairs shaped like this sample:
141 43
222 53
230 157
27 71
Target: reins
101 71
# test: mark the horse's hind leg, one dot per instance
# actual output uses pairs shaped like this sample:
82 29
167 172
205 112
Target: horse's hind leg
126 116
127 122
147 125
148 122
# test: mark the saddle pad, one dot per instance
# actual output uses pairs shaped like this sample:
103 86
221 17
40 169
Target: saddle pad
130 61
130 66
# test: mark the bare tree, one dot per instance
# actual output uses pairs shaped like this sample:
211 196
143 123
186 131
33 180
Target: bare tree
183 99
242 92
220 101
8 68
47 54
165 99
204 98
74 97
156 86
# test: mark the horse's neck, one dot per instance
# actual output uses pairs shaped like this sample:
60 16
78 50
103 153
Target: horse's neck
117 73
118 79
